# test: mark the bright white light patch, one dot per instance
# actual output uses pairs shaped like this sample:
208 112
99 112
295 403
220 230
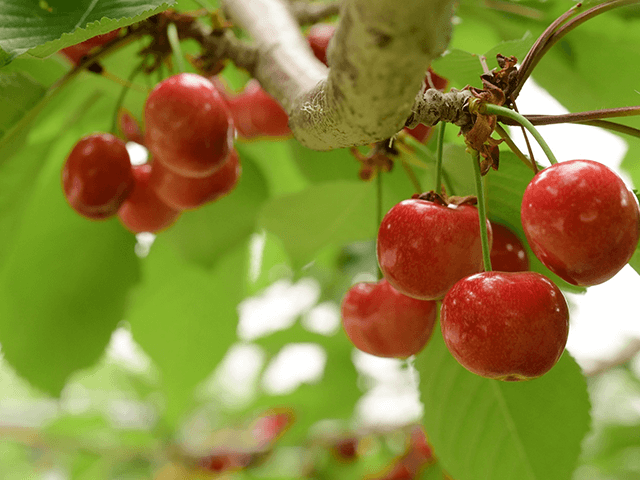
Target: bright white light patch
295 364
276 308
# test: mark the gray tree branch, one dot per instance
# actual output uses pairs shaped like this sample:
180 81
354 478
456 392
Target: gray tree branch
378 58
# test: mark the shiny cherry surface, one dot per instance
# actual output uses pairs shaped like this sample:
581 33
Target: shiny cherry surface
507 253
505 325
581 221
381 321
185 193
318 38
256 113
187 125
424 247
144 211
97 176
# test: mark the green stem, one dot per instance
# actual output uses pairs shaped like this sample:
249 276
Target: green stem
174 41
506 112
123 93
439 147
514 148
482 213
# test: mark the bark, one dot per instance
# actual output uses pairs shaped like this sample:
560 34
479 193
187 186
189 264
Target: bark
378 58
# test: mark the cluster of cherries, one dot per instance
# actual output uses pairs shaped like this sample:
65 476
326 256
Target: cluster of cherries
190 124
581 222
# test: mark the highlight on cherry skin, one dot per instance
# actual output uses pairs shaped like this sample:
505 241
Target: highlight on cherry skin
381 321
581 221
97 177
505 325
186 193
188 127
425 247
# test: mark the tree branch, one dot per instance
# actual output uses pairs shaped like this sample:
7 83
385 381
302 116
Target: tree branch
379 56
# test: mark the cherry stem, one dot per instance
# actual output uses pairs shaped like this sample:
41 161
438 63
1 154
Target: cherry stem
412 176
514 148
559 29
174 41
482 213
439 148
123 93
506 112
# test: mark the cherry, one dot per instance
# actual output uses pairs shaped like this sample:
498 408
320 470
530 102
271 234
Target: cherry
269 427
130 127
424 247
318 38
144 211
97 176
184 193
346 449
381 321
581 221
505 325
256 113
75 53
507 253
188 126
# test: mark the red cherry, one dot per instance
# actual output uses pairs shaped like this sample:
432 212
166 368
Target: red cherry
130 127
505 325
381 321
268 428
581 221
425 247
144 211
318 38
256 113
346 449
188 126
184 193
76 53
97 177
507 253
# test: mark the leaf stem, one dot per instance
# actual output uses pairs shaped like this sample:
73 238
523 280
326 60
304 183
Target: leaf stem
506 112
482 213
439 147
174 41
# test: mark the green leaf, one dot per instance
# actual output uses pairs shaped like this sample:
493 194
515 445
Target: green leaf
276 163
328 166
465 67
185 319
324 214
18 94
488 429
635 260
52 26
206 234
22 99
63 286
